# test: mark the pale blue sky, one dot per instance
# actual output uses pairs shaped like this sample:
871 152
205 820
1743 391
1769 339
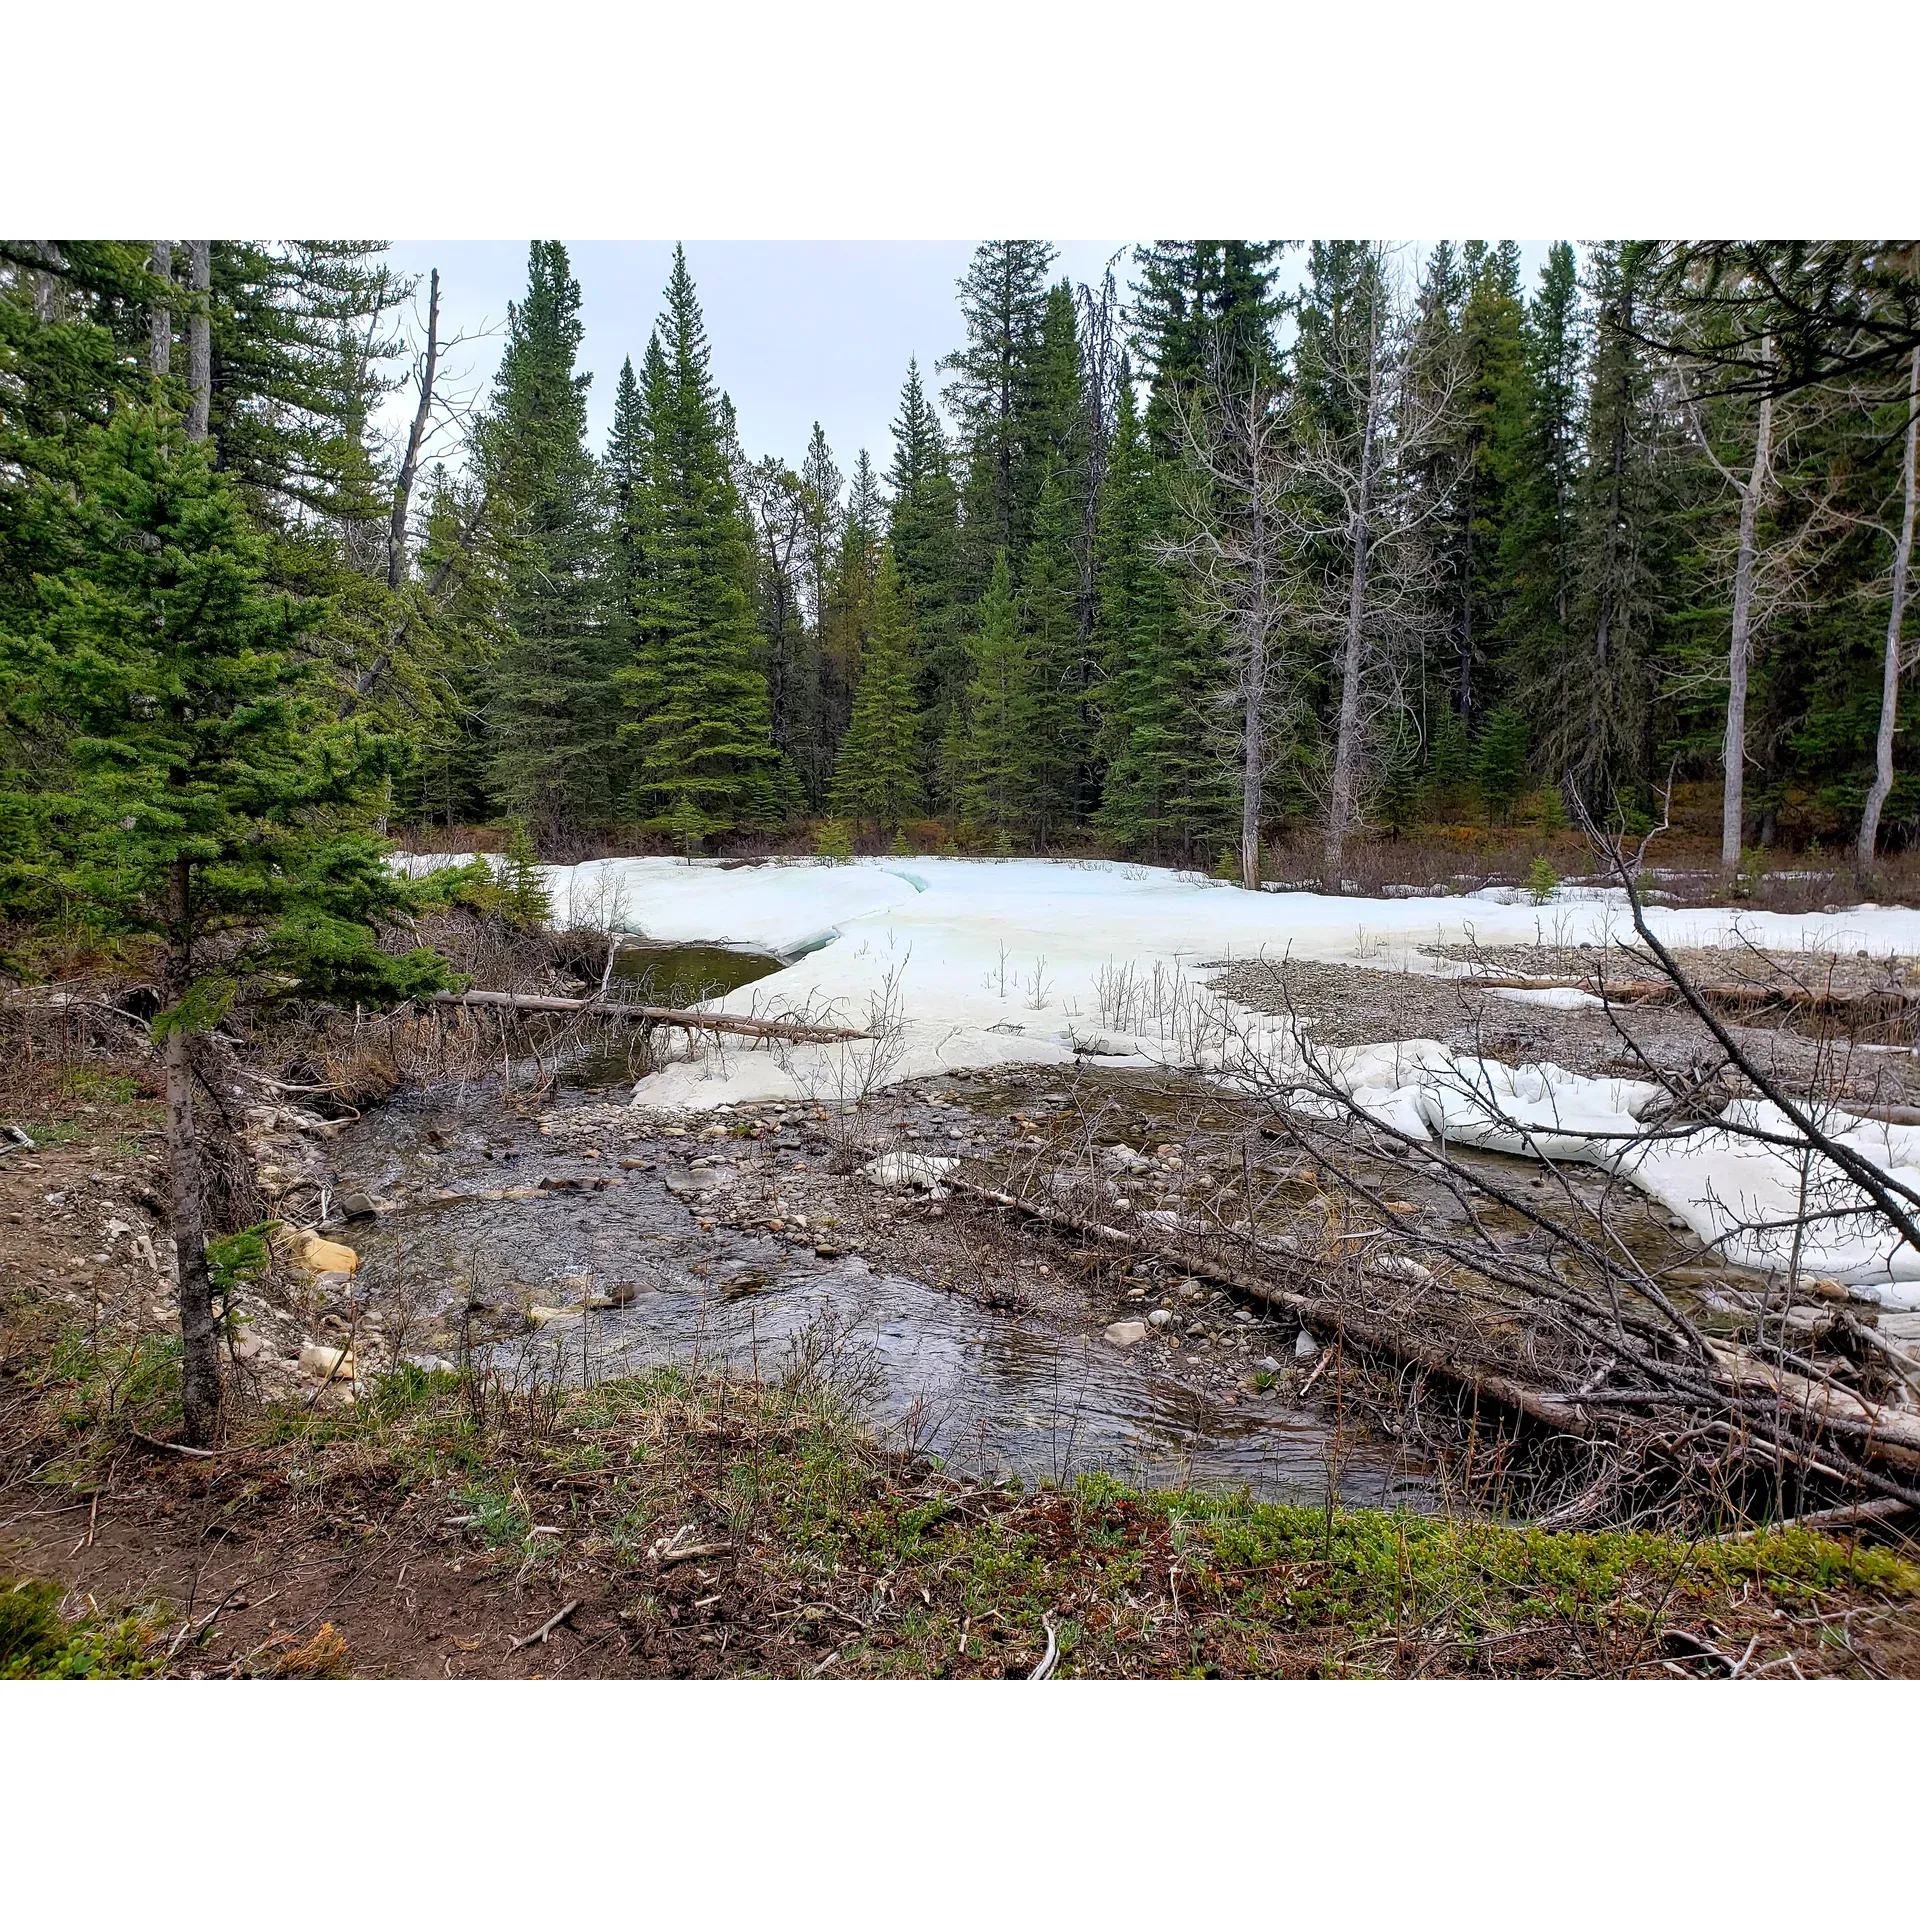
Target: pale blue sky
800 330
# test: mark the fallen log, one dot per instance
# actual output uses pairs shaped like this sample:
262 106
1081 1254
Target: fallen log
658 1016
1737 996
1881 1433
1549 1409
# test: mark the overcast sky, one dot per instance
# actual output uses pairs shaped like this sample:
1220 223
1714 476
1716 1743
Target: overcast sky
800 330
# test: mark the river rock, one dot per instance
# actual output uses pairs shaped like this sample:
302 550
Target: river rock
308 1253
700 1179
1306 1346
919 1170
1123 1159
523 1193
1123 1333
538 1315
326 1360
1160 1317
355 1203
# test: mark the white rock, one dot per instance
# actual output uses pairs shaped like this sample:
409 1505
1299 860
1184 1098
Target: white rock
922 1170
1160 1317
1123 1333
1306 1346
326 1360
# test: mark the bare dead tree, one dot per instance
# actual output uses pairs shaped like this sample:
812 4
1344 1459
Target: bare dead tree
199 339
160 315
1231 495
426 370
1896 613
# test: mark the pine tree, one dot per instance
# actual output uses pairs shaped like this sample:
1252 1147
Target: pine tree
1204 310
998 398
208 799
549 724
877 774
1591 701
1492 413
1055 668
702 726
1160 672
1537 552
923 532
994 757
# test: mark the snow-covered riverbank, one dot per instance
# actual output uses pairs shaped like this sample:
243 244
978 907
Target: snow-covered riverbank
989 962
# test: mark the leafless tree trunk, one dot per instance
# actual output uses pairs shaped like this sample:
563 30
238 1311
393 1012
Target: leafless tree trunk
1752 492
1234 474
200 1383
1890 673
200 340
1341 807
160 315
416 439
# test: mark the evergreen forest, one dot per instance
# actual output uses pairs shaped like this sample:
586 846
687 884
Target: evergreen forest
1252 541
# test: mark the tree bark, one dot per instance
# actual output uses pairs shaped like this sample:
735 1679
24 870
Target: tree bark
416 439
1734 752
160 315
200 1382
200 340
1890 672
1346 753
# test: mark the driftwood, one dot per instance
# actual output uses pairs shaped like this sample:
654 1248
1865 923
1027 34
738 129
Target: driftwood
652 1016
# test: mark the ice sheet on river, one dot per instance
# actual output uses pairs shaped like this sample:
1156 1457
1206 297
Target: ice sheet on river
991 962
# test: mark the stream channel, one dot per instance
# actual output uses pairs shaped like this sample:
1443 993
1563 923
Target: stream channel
989 1394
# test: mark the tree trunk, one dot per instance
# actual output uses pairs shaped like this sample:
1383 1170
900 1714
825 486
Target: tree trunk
1734 753
1346 752
160 315
200 1383
416 439
200 340
1890 672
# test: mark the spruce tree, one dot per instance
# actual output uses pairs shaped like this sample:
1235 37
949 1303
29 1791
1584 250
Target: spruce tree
549 724
1055 669
993 760
701 725
998 397
877 774
923 533
1160 670
207 799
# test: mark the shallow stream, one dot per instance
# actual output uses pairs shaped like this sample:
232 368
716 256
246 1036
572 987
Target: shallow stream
988 1393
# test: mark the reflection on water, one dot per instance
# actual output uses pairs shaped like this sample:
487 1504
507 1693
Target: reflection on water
678 976
988 1394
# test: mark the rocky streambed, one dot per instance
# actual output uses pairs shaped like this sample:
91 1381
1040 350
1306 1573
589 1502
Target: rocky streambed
595 1239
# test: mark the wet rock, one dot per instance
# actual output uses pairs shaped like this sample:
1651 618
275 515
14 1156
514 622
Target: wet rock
619 1293
356 1203
1306 1346
523 1193
539 1316
700 1179
1123 1333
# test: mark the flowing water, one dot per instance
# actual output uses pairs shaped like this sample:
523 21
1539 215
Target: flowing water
988 1393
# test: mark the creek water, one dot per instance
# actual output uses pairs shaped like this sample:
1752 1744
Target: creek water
987 1393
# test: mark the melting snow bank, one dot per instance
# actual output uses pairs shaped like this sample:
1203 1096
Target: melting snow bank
979 963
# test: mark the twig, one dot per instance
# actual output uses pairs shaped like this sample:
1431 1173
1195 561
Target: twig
1048 1660
538 1637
